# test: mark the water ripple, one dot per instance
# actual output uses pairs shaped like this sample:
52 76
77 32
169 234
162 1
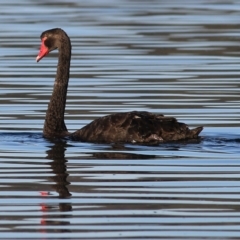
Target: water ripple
171 57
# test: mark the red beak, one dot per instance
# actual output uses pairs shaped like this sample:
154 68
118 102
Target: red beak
43 51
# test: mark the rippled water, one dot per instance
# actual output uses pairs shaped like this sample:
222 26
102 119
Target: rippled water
180 58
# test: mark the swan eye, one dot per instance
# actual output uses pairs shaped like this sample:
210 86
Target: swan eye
49 43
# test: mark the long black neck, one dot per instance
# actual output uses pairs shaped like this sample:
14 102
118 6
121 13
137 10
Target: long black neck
54 125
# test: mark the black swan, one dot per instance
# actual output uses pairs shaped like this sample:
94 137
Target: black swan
127 127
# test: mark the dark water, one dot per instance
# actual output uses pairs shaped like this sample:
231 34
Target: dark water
180 58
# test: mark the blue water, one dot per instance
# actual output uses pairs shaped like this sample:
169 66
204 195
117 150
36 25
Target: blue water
179 58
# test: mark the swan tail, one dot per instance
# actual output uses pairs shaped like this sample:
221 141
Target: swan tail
193 133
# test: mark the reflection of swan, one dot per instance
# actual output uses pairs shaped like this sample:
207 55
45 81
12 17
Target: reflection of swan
58 165
134 127
119 155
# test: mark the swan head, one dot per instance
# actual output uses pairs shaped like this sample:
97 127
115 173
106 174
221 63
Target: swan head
50 40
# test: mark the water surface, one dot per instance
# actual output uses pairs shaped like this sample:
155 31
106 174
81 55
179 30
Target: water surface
179 58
